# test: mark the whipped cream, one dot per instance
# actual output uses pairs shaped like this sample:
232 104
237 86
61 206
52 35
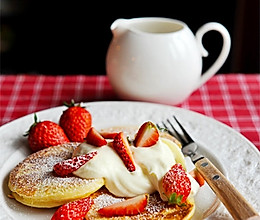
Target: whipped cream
151 163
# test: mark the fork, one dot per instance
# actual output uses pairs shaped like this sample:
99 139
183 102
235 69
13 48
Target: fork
235 203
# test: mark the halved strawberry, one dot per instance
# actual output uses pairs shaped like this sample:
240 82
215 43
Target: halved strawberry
176 185
131 206
66 167
75 210
121 146
147 135
108 135
197 176
95 138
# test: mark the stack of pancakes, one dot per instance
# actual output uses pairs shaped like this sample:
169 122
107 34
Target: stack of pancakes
33 183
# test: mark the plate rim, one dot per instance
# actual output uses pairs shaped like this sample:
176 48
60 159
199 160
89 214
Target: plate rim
135 102
186 111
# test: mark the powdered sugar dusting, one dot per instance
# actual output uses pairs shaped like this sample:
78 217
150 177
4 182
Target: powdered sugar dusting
155 209
34 176
154 206
106 200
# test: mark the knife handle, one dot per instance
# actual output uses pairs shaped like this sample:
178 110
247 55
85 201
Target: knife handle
235 203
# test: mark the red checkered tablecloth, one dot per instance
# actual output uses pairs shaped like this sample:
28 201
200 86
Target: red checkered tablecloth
233 99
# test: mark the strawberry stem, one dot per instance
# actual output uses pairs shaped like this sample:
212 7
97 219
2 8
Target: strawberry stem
35 123
72 104
175 199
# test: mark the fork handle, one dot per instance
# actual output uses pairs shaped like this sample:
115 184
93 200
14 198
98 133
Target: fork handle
235 203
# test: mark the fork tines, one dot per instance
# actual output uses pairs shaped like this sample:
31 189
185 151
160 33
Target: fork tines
184 137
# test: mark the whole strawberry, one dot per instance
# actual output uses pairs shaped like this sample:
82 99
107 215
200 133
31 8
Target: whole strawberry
75 210
176 185
76 122
45 134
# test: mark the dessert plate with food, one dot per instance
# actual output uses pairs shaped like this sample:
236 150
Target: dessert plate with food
108 160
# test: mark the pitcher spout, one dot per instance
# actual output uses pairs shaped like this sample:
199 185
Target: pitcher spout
119 26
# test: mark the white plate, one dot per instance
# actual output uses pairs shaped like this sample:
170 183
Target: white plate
232 153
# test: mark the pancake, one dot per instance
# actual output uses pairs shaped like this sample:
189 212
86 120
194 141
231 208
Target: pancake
33 182
156 208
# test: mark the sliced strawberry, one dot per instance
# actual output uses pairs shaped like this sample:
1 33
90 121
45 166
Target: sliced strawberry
131 206
75 210
95 138
176 185
66 167
147 135
197 176
108 135
121 146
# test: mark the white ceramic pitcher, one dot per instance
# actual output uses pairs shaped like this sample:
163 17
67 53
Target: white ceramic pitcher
159 59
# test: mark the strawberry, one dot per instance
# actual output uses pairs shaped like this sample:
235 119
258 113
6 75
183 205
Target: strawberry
147 135
121 146
95 138
176 185
108 135
66 167
76 122
132 206
197 176
45 134
75 210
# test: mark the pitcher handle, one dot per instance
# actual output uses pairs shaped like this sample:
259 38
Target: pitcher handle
224 51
